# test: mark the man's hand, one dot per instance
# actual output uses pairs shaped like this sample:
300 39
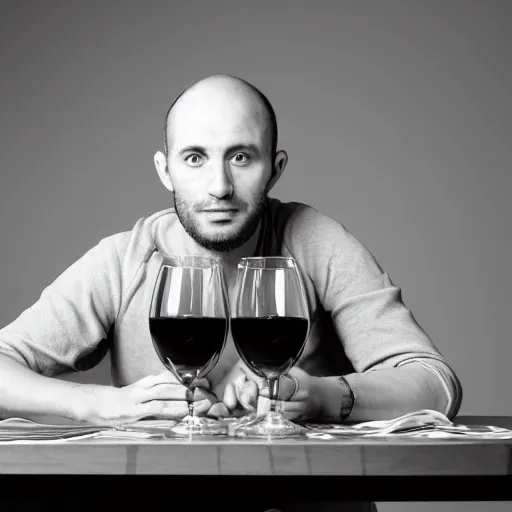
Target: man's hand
246 392
155 396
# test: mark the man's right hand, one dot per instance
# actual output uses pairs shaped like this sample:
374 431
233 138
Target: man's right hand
159 397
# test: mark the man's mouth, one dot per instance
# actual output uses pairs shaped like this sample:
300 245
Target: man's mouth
220 215
220 210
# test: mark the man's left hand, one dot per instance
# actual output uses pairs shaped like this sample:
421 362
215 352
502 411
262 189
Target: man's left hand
298 397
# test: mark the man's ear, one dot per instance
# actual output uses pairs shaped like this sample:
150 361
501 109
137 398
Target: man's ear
163 170
280 162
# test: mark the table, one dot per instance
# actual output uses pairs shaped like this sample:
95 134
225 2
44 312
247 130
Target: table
371 469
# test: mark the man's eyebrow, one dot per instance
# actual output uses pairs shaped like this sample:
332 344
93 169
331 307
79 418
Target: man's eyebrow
241 147
232 149
193 149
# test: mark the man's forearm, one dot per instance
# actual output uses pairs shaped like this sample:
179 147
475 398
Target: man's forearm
382 394
26 394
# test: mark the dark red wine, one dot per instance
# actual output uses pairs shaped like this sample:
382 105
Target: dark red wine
189 343
269 345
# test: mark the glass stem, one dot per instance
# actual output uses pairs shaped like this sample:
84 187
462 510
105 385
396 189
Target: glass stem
188 380
273 386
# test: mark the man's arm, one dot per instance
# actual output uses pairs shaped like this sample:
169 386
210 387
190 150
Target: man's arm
70 318
384 394
398 368
27 394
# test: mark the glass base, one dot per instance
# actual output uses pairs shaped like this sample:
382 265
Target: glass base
271 426
191 426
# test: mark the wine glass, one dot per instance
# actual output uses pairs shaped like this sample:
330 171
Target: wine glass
189 323
270 324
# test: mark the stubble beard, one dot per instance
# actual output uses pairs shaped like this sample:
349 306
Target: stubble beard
220 242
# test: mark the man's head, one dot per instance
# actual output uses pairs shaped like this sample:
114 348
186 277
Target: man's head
221 160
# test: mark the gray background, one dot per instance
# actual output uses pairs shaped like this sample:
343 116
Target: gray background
396 117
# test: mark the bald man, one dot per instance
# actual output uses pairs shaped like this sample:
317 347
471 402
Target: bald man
365 359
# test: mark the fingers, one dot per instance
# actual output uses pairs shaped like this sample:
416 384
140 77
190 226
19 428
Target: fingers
175 392
291 410
242 392
201 383
300 396
219 410
248 395
202 394
202 407
289 384
260 381
165 386
164 392
167 377
173 410
230 397
169 392
236 383
149 381
289 389
248 389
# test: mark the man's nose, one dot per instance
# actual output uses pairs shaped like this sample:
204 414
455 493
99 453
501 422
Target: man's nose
221 185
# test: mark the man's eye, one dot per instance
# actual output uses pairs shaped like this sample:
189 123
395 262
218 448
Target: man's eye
240 159
194 160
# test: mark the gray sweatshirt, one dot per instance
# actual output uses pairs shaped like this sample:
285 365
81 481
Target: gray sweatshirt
101 302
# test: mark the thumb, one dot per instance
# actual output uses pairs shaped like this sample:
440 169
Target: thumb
201 383
249 375
230 398
248 395
219 410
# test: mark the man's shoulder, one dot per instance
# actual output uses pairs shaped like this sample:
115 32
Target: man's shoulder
319 241
137 243
302 220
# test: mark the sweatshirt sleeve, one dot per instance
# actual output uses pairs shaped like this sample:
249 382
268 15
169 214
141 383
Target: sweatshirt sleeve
72 315
375 327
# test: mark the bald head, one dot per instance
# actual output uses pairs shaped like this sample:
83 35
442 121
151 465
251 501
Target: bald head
221 160
214 96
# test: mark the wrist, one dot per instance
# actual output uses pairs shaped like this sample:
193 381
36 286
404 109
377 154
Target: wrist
88 401
335 397
347 400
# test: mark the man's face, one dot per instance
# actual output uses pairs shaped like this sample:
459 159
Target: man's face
220 163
